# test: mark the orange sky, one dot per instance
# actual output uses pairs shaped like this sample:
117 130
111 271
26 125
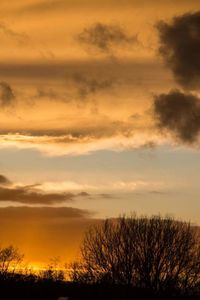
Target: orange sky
78 137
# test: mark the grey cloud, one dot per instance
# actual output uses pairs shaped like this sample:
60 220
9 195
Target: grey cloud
32 194
29 195
6 94
104 37
178 113
180 48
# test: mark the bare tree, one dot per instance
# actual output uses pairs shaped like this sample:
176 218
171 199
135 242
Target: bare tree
166 253
152 253
10 259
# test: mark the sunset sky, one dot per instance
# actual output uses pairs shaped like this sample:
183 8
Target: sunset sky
100 116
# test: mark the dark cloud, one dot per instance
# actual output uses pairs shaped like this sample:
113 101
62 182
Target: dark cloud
104 37
6 94
29 195
180 48
32 194
87 86
4 180
178 113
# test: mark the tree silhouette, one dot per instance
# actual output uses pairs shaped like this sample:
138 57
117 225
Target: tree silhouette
10 258
150 253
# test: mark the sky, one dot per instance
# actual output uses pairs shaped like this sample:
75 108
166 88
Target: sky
99 117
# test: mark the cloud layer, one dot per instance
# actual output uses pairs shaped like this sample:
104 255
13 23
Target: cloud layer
82 145
32 194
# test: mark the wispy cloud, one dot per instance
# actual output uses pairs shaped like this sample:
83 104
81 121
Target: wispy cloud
96 189
87 85
106 38
82 145
21 38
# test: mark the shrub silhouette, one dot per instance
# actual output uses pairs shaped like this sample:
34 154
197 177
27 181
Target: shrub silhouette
149 253
52 273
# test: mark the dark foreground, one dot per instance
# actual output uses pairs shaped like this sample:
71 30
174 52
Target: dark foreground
48 290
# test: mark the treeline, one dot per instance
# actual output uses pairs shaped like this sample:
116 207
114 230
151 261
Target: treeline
123 258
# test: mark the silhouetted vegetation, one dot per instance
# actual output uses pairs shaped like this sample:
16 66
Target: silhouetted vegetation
124 258
156 254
